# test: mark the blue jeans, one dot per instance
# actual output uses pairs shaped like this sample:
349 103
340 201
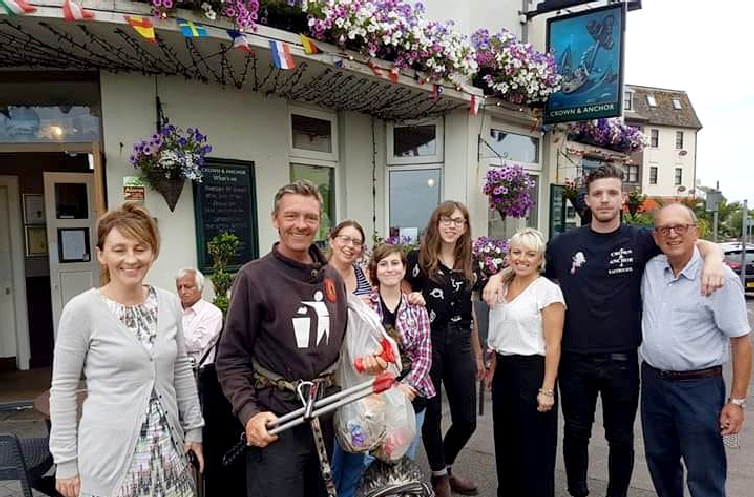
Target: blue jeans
348 467
680 420
614 377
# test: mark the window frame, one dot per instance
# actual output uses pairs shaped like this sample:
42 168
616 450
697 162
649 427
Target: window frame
651 101
409 167
679 140
628 100
677 104
654 172
310 154
632 168
678 176
654 138
439 156
336 171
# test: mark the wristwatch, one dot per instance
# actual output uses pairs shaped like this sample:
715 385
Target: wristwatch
739 402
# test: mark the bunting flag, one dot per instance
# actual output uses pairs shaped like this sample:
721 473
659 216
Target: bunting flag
376 70
337 61
474 105
394 74
143 26
281 55
309 46
190 29
240 41
73 11
16 7
437 91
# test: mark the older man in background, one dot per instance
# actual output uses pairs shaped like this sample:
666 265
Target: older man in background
202 320
687 338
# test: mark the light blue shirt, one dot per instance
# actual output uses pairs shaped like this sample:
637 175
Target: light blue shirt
683 330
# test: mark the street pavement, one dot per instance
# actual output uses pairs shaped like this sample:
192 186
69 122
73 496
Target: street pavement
477 461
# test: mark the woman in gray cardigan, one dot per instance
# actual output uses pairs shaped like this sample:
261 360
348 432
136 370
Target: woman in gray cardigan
141 415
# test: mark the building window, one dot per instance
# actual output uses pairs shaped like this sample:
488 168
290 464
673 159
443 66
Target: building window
314 134
651 101
628 100
324 178
679 140
653 175
512 146
413 195
654 138
415 143
677 104
633 173
678 176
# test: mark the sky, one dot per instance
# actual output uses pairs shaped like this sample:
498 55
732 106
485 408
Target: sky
705 49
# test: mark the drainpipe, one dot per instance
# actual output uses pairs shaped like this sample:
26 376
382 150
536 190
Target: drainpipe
523 21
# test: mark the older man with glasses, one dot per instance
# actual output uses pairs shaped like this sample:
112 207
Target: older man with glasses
686 340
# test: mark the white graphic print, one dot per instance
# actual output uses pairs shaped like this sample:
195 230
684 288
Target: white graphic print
621 261
437 293
415 272
302 325
432 316
578 261
456 285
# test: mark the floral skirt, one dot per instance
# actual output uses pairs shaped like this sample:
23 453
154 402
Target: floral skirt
157 469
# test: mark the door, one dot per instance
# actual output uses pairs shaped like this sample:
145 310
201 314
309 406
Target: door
7 308
69 204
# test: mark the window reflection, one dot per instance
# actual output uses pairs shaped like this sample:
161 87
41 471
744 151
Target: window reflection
514 147
61 123
310 133
415 141
323 177
414 193
71 201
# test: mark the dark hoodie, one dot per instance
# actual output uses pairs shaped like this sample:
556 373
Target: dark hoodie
291 318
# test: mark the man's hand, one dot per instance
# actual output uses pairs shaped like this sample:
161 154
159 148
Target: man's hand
408 390
731 419
196 448
713 276
68 487
374 364
481 368
256 429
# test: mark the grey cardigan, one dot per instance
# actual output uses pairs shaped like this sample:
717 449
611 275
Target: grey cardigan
120 375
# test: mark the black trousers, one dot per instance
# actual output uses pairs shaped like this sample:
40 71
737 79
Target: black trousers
525 439
453 367
290 466
615 377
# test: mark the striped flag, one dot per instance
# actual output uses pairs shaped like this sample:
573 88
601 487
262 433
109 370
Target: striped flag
16 7
394 74
474 105
143 26
190 29
281 55
309 46
239 40
73 11
437 91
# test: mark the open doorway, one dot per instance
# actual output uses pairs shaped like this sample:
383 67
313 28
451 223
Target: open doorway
44 195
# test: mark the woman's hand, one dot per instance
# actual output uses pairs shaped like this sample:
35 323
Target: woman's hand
490 371
68 487
545 400
408 390
416 298
196 448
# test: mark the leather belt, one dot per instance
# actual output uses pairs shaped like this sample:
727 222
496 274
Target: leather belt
692 374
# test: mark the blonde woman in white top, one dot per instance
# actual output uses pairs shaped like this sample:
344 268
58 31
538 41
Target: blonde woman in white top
525 331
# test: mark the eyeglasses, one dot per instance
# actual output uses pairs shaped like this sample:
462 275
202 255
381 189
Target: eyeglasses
679 229
345 239
458 221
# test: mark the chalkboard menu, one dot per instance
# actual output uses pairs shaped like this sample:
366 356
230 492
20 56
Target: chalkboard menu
225 201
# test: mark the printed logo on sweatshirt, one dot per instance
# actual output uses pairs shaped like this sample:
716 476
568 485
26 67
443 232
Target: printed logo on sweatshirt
577 261
621 261
330 293
302 324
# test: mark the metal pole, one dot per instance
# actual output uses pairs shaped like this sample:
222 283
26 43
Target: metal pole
714 225
744 219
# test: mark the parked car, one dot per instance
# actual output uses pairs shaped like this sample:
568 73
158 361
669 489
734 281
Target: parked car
732 251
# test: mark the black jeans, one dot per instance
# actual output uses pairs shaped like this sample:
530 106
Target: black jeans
526 440
615 377
290 466
453 365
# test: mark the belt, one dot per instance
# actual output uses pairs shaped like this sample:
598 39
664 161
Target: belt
264 378
692 374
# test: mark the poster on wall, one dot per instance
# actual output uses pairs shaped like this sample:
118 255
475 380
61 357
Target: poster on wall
588 50
133 189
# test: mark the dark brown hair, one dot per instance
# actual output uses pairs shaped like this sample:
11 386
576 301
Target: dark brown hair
430 248
603 172
133 221
380 252
335 231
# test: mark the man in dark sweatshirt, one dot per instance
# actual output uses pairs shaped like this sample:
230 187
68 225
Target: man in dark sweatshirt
285 323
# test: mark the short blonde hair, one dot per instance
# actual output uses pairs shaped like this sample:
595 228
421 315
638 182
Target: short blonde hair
529 239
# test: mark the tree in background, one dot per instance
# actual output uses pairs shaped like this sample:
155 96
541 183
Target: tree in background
223 250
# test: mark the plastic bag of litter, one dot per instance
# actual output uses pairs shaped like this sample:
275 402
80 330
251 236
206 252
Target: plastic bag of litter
400 424
360 426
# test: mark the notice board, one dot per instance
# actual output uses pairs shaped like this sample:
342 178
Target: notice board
225 201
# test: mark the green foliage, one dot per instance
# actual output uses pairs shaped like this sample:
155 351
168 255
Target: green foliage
223 249
641 218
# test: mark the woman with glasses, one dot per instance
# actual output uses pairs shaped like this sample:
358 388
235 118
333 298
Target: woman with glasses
442 271
346 247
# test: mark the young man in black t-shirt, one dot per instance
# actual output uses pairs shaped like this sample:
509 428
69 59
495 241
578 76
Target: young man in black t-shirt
599 268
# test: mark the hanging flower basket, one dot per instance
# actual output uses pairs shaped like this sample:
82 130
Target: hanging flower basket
168 158
509 190
609 133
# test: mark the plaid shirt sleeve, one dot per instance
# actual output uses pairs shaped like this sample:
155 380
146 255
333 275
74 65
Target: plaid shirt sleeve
421 354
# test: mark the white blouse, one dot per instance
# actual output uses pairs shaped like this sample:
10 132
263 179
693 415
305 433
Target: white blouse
515 327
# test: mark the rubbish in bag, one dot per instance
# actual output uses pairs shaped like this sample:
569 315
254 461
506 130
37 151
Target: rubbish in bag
360 425
400 423
401 479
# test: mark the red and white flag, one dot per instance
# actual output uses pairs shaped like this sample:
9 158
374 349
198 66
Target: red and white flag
73 11
16 7
474 105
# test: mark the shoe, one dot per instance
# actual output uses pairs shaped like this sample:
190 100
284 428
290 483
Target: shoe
462 486
441 486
